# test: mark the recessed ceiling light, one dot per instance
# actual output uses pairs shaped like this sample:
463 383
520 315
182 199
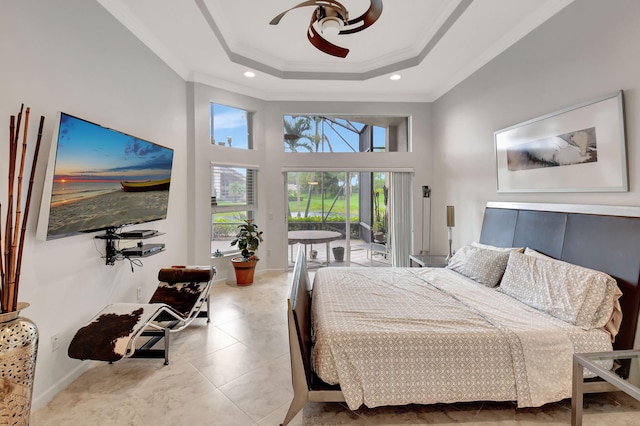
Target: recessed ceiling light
395 77
249 74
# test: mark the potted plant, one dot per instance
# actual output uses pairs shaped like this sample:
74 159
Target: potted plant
380 232
247 239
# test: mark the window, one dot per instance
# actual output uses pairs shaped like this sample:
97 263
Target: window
305 133
231 127
233 200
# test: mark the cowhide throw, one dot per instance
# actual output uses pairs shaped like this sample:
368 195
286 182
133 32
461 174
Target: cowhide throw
98 339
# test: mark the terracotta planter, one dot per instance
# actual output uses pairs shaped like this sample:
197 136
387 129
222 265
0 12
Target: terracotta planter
244 270
18 350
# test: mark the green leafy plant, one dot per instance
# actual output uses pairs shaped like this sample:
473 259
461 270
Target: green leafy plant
248 239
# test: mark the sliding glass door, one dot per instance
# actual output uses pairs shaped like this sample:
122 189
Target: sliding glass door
339 217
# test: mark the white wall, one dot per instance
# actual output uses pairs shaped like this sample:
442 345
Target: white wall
202 153
420 159
73 56
270 158
588 50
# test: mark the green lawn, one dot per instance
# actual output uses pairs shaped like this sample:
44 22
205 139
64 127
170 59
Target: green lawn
338 209
316 205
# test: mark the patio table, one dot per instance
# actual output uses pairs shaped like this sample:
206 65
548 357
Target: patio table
312 237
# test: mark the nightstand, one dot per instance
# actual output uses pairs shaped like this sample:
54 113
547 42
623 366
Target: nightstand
428 261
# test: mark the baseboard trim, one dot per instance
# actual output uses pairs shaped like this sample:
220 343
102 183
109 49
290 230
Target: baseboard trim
40 401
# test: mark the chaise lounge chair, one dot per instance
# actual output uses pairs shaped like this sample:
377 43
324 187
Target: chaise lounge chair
112 334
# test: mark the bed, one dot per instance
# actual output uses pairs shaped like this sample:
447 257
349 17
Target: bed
426 335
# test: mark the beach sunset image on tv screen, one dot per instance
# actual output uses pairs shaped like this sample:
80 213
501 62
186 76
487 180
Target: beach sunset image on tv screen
105 179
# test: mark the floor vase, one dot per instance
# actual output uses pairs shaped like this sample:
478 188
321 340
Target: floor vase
18 351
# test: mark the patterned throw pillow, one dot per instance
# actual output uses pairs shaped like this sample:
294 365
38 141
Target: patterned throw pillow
487 246
574 294
484 266
531 252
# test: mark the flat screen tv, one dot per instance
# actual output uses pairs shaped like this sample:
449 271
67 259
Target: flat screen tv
101 179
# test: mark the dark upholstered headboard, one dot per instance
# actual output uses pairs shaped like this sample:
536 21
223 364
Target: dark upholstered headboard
598 237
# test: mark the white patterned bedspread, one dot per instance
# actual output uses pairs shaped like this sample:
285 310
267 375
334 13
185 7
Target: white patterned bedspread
396 336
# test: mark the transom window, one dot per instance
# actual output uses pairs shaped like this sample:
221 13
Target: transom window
231 127
322 133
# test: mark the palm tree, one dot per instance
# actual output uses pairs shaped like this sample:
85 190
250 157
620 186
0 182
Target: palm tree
294 131
318 137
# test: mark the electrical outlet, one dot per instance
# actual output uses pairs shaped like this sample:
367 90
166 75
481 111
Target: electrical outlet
139 294
55 342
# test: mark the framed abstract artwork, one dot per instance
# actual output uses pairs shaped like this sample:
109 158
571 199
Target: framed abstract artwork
577 149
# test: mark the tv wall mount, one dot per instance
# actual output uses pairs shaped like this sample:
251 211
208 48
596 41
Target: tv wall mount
113 253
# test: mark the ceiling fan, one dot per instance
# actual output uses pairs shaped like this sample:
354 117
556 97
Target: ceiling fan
332 17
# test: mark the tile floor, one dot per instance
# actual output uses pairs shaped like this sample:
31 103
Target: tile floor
235 371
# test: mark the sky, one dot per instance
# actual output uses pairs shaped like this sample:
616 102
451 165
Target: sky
91 153
231 122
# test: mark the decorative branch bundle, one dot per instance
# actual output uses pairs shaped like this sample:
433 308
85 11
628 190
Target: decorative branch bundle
15 223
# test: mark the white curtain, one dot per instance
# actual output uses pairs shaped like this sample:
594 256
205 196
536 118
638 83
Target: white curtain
401 208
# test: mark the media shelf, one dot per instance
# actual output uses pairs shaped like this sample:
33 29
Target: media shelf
141 250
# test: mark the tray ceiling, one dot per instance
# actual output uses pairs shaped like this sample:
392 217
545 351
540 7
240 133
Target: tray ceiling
432 44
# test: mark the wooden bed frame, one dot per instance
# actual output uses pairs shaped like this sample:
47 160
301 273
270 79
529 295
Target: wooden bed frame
307 386
597 237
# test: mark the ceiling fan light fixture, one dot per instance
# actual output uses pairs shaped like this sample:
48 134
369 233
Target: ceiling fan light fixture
249 74
330 20
330 17
330 25
395 77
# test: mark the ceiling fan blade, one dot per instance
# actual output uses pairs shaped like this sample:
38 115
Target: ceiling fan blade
367 18
334 4
323 45
322 14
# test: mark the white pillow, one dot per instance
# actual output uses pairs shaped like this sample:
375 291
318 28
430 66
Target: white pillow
577 295
484 266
